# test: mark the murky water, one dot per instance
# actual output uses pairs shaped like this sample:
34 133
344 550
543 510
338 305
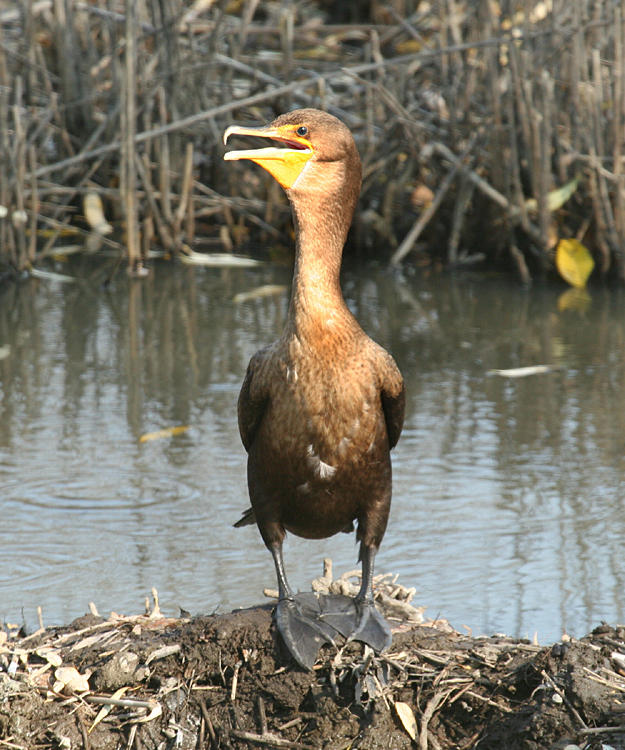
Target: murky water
508 493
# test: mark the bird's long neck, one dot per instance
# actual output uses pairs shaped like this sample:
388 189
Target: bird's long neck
322 220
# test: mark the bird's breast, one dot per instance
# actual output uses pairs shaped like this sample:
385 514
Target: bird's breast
325 417
321 452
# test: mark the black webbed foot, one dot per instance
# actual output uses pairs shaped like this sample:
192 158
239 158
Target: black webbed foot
373 629
356 620
306 621
339 612
302 629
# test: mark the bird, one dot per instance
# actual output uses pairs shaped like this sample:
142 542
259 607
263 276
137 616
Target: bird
320 408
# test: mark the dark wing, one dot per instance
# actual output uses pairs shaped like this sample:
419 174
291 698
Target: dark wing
253 399
393 400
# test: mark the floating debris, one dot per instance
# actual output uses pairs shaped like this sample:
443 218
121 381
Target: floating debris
218 260
524 372
37 273
267 290
164 433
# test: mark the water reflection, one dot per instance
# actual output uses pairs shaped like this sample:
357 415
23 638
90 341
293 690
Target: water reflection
507 500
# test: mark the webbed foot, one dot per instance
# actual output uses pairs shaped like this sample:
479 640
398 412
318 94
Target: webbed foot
373 629
356 619
306 621
302 629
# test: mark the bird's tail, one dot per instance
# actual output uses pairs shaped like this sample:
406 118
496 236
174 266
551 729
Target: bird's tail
247 519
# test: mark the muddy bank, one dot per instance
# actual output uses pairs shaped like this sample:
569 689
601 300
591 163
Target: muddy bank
225 681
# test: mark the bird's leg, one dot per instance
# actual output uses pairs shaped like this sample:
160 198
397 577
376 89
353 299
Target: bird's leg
371 628
297 617
284 590
357 618
367 556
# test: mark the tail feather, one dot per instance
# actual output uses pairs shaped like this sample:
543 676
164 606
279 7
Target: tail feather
247 519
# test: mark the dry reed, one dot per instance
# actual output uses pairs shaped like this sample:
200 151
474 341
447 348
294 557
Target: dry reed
490 107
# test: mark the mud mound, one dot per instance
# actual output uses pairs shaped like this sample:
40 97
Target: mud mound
224 681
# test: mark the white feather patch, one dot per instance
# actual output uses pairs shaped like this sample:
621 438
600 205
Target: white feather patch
321 469
325 470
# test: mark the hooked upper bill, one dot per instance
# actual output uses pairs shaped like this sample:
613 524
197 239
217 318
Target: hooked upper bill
286 163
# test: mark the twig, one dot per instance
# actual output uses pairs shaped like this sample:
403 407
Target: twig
488 190
143 168
602 730
292 723
105 700
412 236
209 723
595 677
597 149
32 244
465 192
131 736
181 124
185 193
262 715
20 169
519 259
432 706
619 103
548 679
235 681
128 165
164 161
270 740
86 744
490 702
13 745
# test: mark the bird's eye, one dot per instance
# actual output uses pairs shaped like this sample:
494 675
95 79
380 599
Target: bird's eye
302 130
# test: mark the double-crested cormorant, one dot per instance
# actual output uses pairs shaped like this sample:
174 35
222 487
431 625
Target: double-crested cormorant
319 409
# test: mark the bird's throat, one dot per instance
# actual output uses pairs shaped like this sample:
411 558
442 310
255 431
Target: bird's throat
322 213
316 299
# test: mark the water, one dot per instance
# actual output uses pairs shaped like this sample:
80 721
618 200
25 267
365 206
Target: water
507 511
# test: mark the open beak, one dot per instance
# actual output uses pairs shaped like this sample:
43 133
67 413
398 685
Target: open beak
286 163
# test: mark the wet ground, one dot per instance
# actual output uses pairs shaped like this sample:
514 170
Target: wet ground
225 682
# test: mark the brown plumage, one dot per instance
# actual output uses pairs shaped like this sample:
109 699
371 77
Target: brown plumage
320 408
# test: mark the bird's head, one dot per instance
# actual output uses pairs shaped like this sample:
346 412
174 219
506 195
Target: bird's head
306 138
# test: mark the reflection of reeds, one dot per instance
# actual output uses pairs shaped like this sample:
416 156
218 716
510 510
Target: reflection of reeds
489 112
128 167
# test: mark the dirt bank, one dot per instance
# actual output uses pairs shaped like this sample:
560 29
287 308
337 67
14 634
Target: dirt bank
224 681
